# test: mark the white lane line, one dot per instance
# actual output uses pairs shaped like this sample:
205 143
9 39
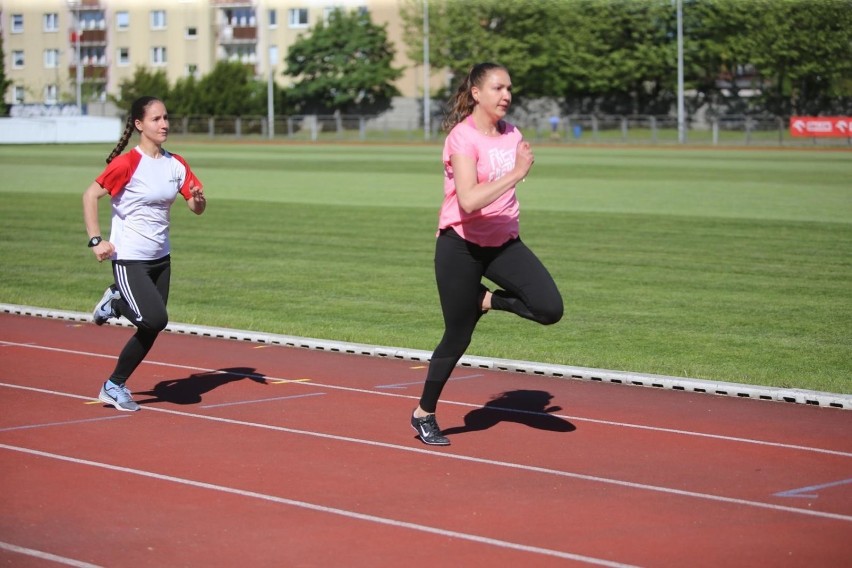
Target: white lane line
66 423
420 382
46 555
811 492
466 404
324 509
239 402
461 457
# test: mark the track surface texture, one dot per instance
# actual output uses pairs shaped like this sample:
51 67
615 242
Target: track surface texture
262 455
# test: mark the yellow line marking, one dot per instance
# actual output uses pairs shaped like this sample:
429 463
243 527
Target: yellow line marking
282 381
93 402
419 367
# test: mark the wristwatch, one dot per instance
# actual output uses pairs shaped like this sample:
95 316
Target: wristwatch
94 241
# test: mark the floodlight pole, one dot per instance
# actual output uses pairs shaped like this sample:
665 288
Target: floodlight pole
427 106
270 82
270 98
75 5
681 126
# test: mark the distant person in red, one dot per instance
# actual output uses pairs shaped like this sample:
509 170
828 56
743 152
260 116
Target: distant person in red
484 158
142 185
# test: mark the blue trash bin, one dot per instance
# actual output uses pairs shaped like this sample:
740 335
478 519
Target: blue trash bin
578 131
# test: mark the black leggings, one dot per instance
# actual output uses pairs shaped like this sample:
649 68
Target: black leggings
528 290
144 287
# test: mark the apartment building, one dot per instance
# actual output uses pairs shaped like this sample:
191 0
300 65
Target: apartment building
65 51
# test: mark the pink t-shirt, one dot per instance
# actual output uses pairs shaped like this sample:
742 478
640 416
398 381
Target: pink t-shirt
497 222
142 191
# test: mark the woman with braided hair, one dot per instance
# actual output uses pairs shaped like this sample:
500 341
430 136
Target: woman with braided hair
142 185
484 158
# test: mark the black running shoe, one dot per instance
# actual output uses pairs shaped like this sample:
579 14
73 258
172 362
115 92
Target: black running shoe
428 430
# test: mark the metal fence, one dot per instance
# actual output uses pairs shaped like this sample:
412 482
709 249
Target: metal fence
578 129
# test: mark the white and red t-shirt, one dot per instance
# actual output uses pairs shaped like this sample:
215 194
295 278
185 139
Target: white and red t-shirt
497 222
142 191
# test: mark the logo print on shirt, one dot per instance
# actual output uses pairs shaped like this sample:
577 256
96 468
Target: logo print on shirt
178 181
502 162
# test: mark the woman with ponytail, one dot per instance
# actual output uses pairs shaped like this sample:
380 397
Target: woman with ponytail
484 158
142 185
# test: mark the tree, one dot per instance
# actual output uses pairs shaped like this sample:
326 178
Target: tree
522 36
344 65
185 97
4 82
614 56
774 57
230 89
803 52
143 83
620 56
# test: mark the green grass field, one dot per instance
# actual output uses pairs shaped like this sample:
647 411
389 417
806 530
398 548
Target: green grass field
731 265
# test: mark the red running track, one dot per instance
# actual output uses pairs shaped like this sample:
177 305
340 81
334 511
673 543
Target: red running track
258 455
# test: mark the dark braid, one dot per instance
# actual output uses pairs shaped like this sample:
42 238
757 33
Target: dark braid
462 103
137 112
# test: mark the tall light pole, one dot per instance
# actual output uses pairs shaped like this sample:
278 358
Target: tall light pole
681 120
75 5
271 57
427 105
271 54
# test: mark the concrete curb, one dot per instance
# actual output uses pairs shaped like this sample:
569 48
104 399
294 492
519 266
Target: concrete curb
799 396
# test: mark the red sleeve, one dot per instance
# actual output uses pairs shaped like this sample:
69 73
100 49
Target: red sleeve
189 179
118 172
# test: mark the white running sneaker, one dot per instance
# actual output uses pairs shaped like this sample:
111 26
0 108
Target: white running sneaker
118 396
103 310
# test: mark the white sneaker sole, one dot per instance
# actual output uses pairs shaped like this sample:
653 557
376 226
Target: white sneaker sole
106 399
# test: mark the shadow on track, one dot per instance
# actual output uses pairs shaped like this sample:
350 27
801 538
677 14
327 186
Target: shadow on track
527 407
189 390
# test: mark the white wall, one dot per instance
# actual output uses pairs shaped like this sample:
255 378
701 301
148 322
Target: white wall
59 130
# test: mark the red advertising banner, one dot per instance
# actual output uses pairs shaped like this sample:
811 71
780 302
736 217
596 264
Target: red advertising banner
821 126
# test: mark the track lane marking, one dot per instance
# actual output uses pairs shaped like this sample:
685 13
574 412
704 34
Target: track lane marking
484 461
46 555
66 423
325 509
462 404
420 382
808 491
239 402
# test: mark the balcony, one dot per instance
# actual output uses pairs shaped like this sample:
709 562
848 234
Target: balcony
91 73
234 35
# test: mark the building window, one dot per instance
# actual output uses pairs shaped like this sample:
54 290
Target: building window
124 56
18 59
17 23
273 56
93 56
122 20
51 22
51 94
51 58
298 17
328 11
192 70
273 18
158 19
191 33
158 55
92 20
18 96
